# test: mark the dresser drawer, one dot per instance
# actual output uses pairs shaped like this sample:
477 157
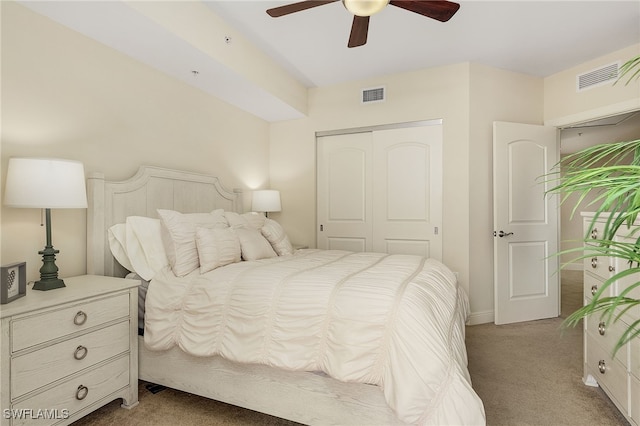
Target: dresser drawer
592 284
606 334
36 369
35 329
91 387
598 265
610 374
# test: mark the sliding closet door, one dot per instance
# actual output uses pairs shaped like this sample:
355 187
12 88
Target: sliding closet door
345 192
407 202
381 191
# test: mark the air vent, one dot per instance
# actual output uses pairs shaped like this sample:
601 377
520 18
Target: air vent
598 77
374 94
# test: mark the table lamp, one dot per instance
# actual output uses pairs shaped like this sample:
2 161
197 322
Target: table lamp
46 183
265 201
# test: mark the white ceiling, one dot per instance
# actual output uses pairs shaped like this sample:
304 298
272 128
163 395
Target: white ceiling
533 37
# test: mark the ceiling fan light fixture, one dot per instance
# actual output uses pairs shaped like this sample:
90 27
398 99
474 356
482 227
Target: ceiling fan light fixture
365 7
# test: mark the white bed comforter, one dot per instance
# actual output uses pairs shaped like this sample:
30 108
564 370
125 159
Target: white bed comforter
396 321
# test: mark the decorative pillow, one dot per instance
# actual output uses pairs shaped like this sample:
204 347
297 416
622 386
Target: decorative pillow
253 245
144 246
275 234
117 243
179 237
217 247
246 220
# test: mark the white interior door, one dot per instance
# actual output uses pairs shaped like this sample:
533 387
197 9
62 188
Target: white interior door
345 192
407 205
526 278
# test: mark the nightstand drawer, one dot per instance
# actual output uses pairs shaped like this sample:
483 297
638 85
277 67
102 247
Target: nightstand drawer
90 387
32 330
36 369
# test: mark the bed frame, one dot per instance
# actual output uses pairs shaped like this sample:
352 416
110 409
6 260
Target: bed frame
303 397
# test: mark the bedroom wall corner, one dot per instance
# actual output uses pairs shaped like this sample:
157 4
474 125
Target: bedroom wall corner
113 113
433 93
496 95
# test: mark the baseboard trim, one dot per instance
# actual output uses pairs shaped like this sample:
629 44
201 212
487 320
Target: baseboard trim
481 318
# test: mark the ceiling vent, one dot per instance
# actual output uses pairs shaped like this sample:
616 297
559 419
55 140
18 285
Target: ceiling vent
374 94
598 77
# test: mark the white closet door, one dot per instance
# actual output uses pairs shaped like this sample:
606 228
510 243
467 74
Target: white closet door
344 192
407 201
381 191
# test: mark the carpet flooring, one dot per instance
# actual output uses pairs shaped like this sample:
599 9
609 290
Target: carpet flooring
526 374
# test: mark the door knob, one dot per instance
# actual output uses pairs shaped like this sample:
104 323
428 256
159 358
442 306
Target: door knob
503 234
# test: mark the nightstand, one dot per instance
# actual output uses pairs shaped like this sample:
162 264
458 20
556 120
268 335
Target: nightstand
68 351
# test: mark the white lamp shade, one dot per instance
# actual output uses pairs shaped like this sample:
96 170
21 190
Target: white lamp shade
45 183
365 7
266 200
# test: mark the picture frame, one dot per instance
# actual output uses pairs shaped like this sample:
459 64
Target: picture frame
13 282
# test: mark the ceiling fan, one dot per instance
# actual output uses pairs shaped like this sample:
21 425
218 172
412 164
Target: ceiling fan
363 9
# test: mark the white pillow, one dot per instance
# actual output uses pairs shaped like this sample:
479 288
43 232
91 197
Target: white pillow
253 245
276 236
144 246
179 237
246 220
216 247
117 243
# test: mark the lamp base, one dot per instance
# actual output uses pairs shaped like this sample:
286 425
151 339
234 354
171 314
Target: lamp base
48 284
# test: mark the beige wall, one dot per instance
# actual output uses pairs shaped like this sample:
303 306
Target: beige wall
64 95
423 95
564 105
496 95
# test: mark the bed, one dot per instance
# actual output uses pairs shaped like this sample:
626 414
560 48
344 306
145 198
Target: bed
313 336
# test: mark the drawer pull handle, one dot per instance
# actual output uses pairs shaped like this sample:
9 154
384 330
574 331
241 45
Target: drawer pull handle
602 366
594 233
594 290
594 262
80 318
82 351
82 392
612 268
601 328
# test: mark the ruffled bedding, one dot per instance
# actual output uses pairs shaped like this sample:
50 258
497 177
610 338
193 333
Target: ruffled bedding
396 321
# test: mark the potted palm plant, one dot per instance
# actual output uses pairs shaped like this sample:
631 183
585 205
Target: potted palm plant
610 175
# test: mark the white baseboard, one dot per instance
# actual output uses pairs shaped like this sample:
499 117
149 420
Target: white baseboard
481 318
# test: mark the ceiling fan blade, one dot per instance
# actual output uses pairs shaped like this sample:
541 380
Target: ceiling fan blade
359 30
296 7
440 10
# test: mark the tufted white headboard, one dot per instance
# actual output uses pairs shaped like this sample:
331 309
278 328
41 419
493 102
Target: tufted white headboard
151 188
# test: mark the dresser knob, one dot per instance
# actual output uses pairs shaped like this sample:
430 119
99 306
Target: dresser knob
80 318
602 366
594 233
612 268
80 353
594 290
82 392
594 262
601 328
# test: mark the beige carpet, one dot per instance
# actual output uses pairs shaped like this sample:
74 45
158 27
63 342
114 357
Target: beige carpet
526 374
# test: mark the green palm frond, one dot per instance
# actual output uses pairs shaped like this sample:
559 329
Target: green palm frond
631 68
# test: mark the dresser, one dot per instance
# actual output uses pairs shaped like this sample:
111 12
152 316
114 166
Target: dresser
68 351
618 376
